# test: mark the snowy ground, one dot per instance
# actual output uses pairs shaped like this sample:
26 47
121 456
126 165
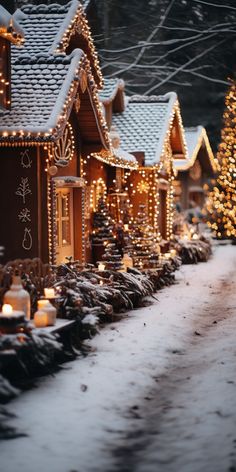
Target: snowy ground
157 393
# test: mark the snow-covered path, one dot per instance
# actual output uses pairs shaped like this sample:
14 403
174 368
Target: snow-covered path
188 423
158 392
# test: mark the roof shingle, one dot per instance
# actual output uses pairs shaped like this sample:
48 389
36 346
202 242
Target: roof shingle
143 123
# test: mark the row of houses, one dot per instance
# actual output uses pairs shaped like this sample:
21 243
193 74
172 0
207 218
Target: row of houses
68 136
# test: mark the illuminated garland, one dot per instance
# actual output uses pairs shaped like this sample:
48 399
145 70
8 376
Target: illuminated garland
109 157
98 189
221 204
185 164
80 24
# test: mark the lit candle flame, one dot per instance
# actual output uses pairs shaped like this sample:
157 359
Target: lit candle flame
7 309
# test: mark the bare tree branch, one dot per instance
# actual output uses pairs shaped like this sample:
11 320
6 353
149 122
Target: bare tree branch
183 67
216 5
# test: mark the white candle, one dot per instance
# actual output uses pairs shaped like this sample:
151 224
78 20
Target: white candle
40 319
126 227
51 312
7 309
101 266
49 292
42 304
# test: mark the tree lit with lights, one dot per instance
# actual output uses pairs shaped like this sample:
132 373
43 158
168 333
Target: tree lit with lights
221 204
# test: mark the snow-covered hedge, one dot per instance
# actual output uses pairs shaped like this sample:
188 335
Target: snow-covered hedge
192 251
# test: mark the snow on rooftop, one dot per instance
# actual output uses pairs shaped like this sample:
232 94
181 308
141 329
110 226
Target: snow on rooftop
5 17
124 155
9 24
192 137
143 125
195 138
41 24
110 88
40 87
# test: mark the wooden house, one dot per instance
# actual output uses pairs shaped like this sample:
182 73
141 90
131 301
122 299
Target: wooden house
52 125
196 171
151 129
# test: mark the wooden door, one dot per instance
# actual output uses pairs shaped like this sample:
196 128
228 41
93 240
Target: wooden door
64 220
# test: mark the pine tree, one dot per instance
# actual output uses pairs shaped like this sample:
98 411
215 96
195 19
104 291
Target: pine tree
104 241
112 258
221 203
102 224
143 245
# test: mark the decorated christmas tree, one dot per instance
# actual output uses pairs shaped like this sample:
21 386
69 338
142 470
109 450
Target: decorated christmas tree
112 258
102 224
143 245
104 241
221 204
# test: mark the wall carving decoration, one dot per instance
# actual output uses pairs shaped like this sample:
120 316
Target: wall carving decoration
23 189
27 239
26 162
24 215
64 148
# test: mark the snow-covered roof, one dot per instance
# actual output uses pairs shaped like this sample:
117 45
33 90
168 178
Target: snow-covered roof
196 137
9 27
48 29
117 157
145 124
110 89
43 79
40 87
86 4
192 138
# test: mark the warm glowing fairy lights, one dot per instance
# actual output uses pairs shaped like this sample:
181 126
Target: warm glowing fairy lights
110 157
221 203
79 24
202 140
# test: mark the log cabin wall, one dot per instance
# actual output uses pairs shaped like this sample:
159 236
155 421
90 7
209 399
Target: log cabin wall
5 70
143 191
192 190
192 182
162 215
19 197
182 196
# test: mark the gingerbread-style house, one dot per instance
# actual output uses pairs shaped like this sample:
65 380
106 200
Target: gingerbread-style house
196 171
151 129
51 125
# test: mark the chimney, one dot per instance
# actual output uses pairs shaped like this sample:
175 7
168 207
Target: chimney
10 32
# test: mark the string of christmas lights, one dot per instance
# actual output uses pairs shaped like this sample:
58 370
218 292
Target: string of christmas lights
221 203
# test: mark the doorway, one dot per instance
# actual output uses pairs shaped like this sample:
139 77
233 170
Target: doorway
64 224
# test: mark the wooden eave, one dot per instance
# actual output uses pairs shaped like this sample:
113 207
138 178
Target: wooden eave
117 98
78 35
92 131
177 136
173 133
204 154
